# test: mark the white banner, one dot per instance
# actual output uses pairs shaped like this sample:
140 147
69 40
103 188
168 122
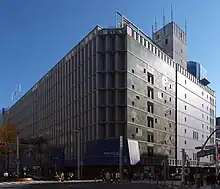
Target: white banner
134 151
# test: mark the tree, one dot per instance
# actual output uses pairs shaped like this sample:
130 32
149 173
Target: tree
38 144
8 135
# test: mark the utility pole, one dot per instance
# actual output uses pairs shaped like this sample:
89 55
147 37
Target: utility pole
120 158
216 160
78 155
18 158
165 170
183 166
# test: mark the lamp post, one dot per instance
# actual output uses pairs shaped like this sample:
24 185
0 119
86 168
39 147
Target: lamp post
78 152
17 154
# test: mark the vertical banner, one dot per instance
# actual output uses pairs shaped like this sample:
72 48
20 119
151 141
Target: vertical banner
134 151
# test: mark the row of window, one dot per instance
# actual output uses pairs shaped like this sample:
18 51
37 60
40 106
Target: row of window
151 94
135 35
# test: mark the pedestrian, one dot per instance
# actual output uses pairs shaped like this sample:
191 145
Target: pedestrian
5 176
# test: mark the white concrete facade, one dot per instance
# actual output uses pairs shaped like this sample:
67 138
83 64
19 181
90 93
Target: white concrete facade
195 120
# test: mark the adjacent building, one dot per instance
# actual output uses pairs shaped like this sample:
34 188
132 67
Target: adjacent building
119 82
218 126
195 101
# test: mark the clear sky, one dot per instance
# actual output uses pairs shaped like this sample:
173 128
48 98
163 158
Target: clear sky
35 34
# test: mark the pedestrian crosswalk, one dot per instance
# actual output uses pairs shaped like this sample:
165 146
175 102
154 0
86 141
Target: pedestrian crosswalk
24 183
20 183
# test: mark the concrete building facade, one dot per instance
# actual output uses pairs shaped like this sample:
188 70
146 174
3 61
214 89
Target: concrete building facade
119 82
195 101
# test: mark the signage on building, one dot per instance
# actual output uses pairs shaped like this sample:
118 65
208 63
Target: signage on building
111 153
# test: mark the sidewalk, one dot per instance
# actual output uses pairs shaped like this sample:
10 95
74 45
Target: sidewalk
171 184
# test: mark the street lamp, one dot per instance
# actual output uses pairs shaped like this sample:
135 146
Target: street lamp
17 154
78 152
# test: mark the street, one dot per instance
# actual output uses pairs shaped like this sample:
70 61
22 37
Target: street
86 185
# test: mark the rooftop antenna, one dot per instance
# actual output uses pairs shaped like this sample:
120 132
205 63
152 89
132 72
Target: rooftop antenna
185 31
171 13
163 22
155 24
152 31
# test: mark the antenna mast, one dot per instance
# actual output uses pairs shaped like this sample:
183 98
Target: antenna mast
171 12
153 31
163 22
185 31
155 24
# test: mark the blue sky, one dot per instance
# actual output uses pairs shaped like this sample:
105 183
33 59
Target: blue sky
34 35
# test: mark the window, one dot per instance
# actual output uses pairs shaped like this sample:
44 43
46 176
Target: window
202 115
212 112
181 50
150 137
207 117
150 107
132 70
150 122
150 92
212 101
195 135
170 99
202 105
212 121
170 125
161 95
132 86
185 81
144 70
185 142
132 119
170 86
137 97
158 36
185 95
185 130
165 101
212 140
170 112
185 119
185 107
150 151
150 78
202 136
165 88
132 103
202 125
136 130
202 93
166 41
155 120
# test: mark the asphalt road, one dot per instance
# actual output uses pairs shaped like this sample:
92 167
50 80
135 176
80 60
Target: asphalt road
80 186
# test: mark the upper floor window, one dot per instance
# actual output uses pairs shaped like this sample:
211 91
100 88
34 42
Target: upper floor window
166 41
150 107
150 92
150 78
